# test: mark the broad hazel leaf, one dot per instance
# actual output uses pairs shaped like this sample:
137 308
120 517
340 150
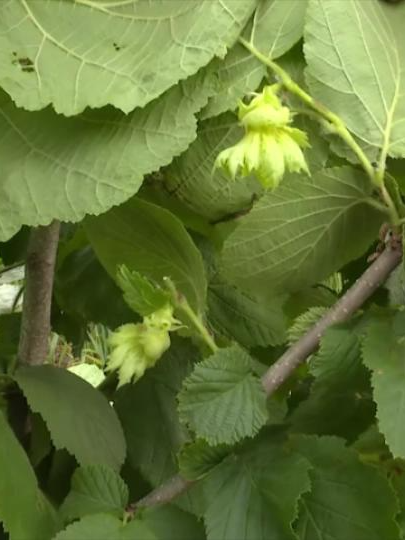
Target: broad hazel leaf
168 522
384 353
140 293
398 483
148 413
254 494
78 416
347 498
24 511
95 489
360 73
105 527
302 232
197 458
64 168
83 289
339 401
276 26
120 53
151 241
252 320
222 401
191 178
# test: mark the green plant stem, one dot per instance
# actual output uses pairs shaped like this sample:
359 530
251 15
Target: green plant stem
376 177
386 197
180 302
10 267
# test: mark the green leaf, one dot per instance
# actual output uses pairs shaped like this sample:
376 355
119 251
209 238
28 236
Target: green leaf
139 292
398 483
303 231
170 523
105 527
304 322
254 494
24 511
191 178
95 489
339 400
40 440
249 319
83 289
78 416
197 458
222 401
304 299
141 49
9 337
148 413
151 241
383 354
347 499
360 77
68 172
277 25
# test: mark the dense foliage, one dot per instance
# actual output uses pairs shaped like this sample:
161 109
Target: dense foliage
221 170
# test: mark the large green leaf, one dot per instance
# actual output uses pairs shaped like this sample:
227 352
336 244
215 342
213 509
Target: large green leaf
253 495
64 168
95 489
398 483
152 241
9 337
360 74
192 179
197 458
140 293
339 401
347 499
78 416
170 523
383 354
91 53
303 231
105 527
276 26
24 511
253 321
222 401
83 289
148 413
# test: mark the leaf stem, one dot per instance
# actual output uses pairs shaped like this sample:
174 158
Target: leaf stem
339 127
392 210
10 267
180 302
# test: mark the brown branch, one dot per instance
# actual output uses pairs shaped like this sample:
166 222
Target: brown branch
274 377
39 275
352 300
165 493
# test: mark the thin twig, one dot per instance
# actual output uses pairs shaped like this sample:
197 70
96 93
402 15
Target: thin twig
39 275
352 300
169 490
10 267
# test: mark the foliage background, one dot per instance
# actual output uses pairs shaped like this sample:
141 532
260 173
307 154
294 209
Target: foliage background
111 116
